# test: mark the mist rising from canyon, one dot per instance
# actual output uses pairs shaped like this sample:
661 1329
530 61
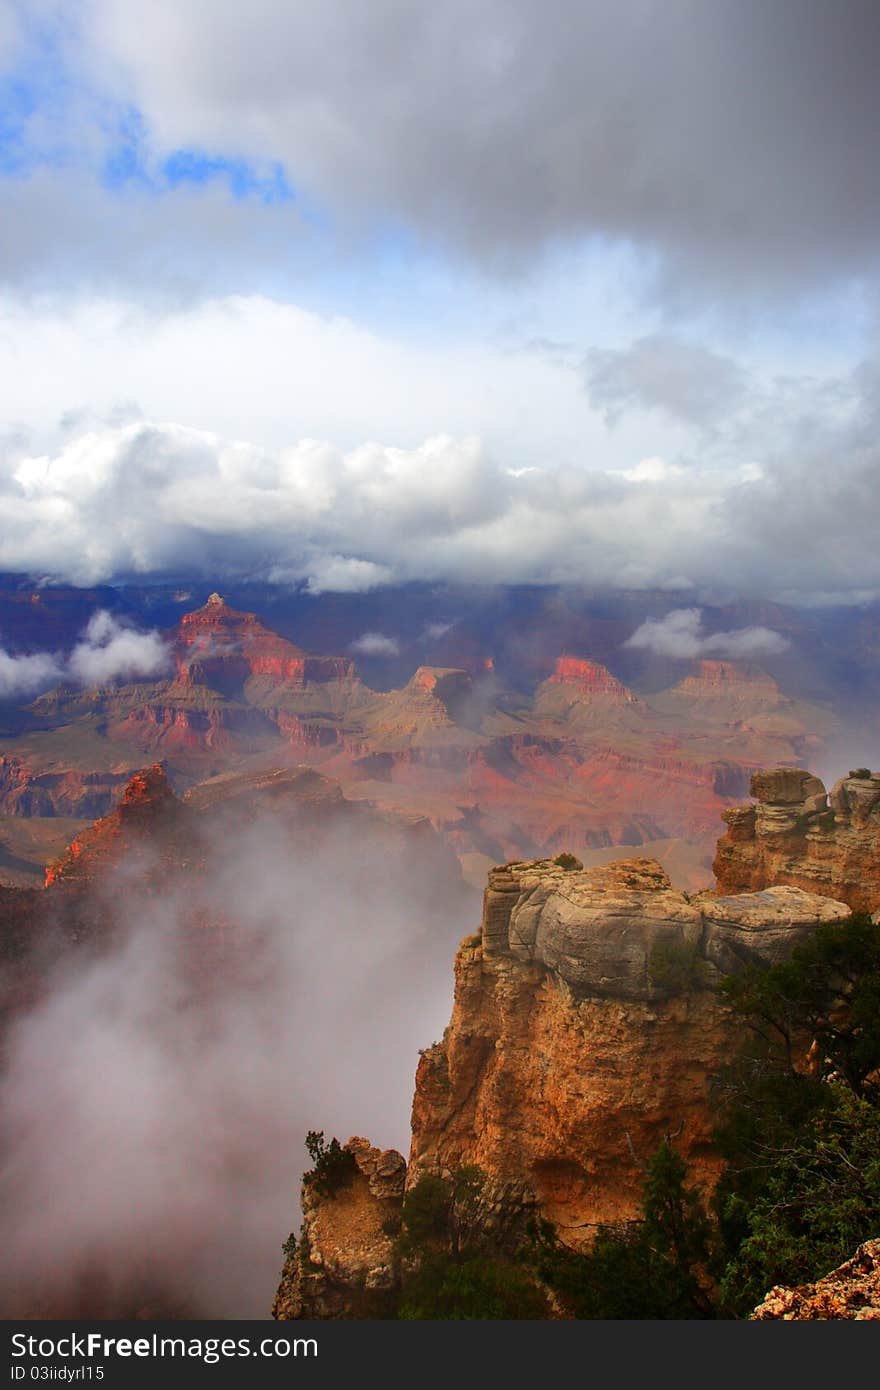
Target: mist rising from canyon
156 1099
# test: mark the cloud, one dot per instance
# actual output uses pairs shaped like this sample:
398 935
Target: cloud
25 675
63 227
346 576
376 644
680 634
85 360
153 498
777 499
726 138
686 380
111 651
651 470
433 631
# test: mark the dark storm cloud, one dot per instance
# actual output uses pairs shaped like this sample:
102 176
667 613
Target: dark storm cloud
736 137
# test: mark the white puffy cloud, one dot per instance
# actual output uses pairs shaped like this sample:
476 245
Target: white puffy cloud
375 644
110 651
680 634
260 440
25 675
341 575
147 498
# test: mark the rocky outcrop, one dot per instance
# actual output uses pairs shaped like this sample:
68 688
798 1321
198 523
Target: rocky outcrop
218 646
148 813
728 680
589 679
612 931
796 834
343 1263
851 1291
585 1026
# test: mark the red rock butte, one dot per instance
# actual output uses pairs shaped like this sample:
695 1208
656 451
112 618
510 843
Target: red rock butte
218 641
589 677
725 677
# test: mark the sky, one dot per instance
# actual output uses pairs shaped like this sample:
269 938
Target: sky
342 296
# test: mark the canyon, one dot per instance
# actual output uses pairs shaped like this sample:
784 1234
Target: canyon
579 760
586 797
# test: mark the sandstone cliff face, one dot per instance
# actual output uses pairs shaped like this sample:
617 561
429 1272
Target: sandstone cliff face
798 835
585 1027
851 1291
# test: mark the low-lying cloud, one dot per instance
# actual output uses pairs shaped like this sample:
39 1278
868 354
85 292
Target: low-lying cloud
155 1102
680 634
111 652
375 644
108 651
155 498
23 675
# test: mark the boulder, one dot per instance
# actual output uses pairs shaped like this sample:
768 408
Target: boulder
785 786
762 927
601 931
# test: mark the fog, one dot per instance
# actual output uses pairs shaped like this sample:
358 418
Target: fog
156 1100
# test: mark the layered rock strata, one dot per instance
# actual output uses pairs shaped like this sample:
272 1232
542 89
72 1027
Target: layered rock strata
797 834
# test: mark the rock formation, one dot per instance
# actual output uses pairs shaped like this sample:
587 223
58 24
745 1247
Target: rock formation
343 1263
586 1027
218 646
798 835
587 680
851 1291
580 763
728 680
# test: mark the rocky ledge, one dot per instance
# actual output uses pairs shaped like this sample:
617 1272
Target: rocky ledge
622 931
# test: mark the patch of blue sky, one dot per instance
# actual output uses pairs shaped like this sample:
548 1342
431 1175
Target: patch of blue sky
49 119
269 185
35 99
130 162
